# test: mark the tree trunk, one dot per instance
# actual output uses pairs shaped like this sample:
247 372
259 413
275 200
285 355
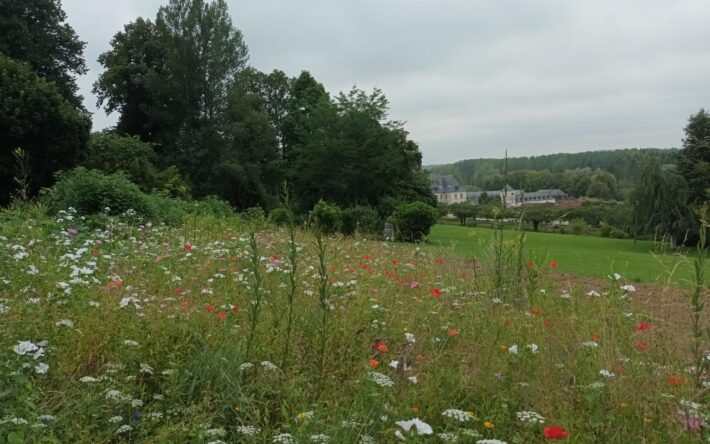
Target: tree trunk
536 223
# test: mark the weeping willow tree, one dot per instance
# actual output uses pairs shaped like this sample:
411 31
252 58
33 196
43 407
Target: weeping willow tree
659 203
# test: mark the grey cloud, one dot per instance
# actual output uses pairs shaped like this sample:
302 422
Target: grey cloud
472 78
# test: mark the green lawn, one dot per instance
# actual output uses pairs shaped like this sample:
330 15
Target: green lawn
584 255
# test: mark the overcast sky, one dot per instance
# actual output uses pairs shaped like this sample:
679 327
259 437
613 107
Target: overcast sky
473 78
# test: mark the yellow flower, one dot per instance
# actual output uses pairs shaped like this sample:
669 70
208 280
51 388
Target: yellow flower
488 424
504 347
622 405
647 420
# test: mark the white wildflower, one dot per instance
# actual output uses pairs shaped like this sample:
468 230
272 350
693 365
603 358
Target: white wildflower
380 379
420 426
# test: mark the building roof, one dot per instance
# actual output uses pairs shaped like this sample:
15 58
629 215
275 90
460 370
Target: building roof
443 184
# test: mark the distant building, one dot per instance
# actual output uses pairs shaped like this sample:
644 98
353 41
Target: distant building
448 190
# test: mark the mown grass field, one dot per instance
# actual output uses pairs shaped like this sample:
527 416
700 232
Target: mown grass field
594 256
131 333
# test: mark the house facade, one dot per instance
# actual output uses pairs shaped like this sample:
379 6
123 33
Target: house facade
448 190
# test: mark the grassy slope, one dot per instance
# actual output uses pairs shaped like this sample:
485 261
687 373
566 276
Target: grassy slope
584 255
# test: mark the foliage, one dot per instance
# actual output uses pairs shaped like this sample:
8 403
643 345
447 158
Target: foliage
170 81
280 217
464 211
694 158
355 158
36 32
659 203
413 221
111 152
571 172
539 213
361 219
35 117
213 206
91 192
326 217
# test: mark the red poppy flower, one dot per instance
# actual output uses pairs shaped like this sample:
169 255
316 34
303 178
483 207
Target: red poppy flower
185 304
440 261
530 265
546 322
374 363
222 315
394 261
235 308
95 251
643 326
209 308
187 247
380 347
435 292
553 264
641 346
555 432
675 380
452 332
367 257
178 290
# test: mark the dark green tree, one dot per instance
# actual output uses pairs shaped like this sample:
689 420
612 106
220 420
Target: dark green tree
111 152
353 156
539 213
171 80
464 211
36 117
36 32
694 158
659 204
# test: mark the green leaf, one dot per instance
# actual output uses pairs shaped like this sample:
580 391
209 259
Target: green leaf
16 438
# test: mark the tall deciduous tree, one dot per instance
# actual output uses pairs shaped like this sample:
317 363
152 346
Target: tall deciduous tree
35 32
36 117
347 153
694 158
171 80
659 203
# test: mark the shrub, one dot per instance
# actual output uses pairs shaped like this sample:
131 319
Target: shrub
414 221
110 152
326 217
91 191
213 206
280 216
362 219
578 226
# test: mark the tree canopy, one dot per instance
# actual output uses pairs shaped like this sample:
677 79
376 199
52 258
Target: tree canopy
36 117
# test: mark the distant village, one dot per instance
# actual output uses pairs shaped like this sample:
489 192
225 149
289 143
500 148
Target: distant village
448 190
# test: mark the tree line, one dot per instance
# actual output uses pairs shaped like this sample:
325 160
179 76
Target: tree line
194 118
601 174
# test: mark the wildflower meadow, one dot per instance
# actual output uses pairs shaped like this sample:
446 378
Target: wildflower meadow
229 330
